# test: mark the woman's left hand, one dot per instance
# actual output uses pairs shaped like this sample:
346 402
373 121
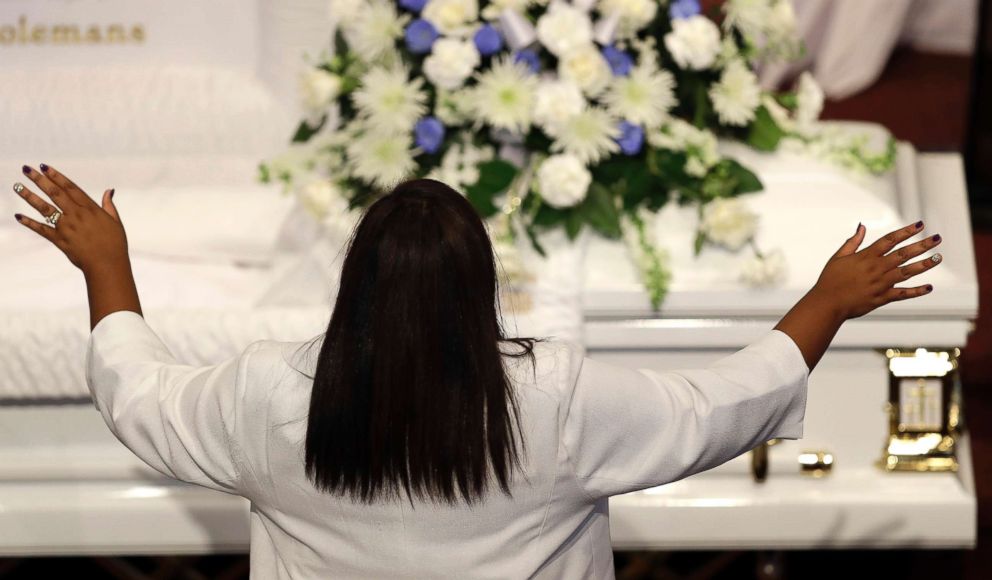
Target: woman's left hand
91 236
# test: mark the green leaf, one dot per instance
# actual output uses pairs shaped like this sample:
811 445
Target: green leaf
698 244
573 224
304 131
764 133
599 211
264 175
747 181
547 216
494 177
532 236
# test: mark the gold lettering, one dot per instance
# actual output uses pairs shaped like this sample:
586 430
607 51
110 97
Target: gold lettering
65 34
7 34
38 34
138 33
22 29
93 35
115 33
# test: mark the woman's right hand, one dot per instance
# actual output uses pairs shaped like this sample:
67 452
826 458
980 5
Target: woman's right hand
853 283
857 282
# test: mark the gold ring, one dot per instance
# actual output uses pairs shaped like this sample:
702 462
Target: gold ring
54 218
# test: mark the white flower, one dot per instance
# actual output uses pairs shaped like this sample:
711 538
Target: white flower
504 96
768 270
586 67
451 61
496 7
728 222
700 145
634 14
563 181
451 17
736 95
374 29
809 100
781 23
555 103
643 97
589 136
778 113
693 42
319 88
460 165
381 159
564 28
452 107
767 25
389 100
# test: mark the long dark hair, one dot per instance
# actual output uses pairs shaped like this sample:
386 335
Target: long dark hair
410 387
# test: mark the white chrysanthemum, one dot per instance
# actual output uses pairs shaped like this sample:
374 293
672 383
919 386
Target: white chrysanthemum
768 270
700 145
318 88
504 96
496 7
563 181
586 67
381 159
736 95
564 28
589 136
747 16
451 17
634 14
809 101
451 62
728 51
453 107
389 100
694 42
643 97
728 222
374 30
555 103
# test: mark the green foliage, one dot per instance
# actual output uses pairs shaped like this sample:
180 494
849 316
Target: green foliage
599 211
495 177
764 133
304 131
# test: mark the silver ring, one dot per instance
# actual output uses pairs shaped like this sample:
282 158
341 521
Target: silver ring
54 218
18 188
935 258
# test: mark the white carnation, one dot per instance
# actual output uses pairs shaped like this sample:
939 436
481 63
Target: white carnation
693 42
586 67
728 222
809 100
451 17
319 88
451 62
634 14
736 95
564 28
555 103
768 270
563 181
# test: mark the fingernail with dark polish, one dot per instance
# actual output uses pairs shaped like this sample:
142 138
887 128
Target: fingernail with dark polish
929 287
18 216
26 170
111 194
43 167
936 237
919 224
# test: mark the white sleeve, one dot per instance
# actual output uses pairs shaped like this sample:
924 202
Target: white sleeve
177 418
628 429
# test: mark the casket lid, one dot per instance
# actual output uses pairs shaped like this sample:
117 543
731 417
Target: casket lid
807 209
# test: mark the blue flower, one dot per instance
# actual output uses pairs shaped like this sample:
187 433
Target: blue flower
631 138
488 40
420 36
413 5
683 9
529 58
428 134
620 62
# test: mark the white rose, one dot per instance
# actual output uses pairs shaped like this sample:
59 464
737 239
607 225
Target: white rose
563 180
555 103
728 222
451 16
451 62
564 28
587 68
809 100
693 42
766 271
318 87
634 14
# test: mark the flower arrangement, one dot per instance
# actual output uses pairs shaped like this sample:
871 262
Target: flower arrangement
556 115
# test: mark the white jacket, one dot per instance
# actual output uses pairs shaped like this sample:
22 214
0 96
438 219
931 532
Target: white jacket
592 430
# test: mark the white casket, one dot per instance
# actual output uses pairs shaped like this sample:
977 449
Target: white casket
219 262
